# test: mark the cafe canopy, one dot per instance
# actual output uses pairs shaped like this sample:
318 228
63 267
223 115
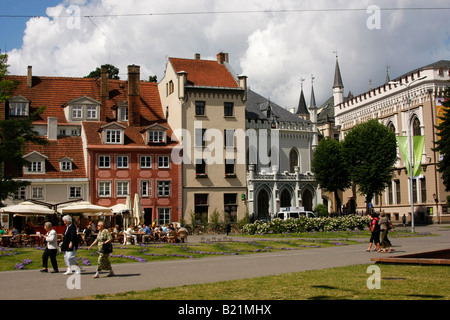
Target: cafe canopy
27 208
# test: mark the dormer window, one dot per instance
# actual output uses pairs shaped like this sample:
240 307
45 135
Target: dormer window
84 109
66 164
122 111
156 134
113 136
113 133
36 163
19 106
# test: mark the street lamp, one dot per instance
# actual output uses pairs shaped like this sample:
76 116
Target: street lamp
411 151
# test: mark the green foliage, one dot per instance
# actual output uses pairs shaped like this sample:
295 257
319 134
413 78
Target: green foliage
113 72
370 152
322 210
303 224
443 144
329 167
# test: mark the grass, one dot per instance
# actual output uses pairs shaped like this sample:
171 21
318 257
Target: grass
13 259
398 282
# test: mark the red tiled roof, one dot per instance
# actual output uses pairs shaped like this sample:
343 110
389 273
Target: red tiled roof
204 72
134 136
71 147
55 92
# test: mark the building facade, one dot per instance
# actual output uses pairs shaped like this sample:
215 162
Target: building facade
205 107
388 104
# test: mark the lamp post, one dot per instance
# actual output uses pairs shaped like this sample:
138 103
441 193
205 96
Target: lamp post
411 151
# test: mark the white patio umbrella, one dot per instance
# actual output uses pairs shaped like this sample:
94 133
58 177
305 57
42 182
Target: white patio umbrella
29 208
137 209
118 208
127 216
86 207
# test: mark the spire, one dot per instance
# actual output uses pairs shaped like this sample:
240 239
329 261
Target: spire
337 76
302 108
312 104
387 75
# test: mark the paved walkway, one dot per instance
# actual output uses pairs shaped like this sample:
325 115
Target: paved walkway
32 284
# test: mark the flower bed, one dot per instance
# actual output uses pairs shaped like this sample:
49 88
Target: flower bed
303 224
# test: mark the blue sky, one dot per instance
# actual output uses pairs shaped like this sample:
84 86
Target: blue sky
274 43
12 29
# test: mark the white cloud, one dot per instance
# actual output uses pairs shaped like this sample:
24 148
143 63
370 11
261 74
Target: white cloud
274 49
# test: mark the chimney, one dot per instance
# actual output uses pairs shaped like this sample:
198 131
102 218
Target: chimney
30 77
222 57
243 84
104 92
134 75
52 128
197 56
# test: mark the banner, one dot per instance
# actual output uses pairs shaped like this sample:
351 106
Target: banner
418 144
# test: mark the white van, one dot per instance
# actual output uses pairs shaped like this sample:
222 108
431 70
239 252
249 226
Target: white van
290 212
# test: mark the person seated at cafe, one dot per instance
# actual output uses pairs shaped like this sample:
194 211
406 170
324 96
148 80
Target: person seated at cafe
2 232
88 235
13 231
129 233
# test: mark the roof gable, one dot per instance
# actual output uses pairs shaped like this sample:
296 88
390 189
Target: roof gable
208 73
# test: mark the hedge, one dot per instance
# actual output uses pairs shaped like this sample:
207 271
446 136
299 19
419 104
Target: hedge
303 224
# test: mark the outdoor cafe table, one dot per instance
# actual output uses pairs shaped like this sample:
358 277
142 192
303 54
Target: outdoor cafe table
37 238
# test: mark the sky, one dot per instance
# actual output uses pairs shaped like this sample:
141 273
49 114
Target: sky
279 45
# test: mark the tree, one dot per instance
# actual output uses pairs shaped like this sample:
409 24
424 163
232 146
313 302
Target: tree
443 144
113 72
329 168
15 133
370 153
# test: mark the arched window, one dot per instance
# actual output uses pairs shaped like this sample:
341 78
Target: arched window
391 126
293 160
416 127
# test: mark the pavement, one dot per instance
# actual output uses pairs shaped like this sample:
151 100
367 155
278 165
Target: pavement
34 285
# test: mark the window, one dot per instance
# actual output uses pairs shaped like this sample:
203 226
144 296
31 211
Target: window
91 112
75 192
36 167
201 207
164 215
228 109
423 189
18 109
155 136
104 161
200 168
200 137
146 162
200 108
122 161
104 188
163 188
113 136
37 192
229 138
230 206
293 160
416 127
122 188
170 88
146 188
163 162
390 194
20 194
66 166
229 168
397 190
77 112
123 114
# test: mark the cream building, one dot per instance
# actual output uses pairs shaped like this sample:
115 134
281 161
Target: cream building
389 104
205 107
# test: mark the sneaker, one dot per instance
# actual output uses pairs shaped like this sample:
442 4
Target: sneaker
68 271
96 275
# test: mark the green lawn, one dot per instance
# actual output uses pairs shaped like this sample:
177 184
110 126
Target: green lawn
398 282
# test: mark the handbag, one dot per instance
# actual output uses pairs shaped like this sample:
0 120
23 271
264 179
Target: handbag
106 248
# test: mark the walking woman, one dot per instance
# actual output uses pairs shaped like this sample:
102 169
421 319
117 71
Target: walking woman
51 249
70 245
385 226
104 236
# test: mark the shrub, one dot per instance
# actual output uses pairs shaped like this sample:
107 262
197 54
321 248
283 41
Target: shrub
303 224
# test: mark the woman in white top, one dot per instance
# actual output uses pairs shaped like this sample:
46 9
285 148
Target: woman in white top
51 248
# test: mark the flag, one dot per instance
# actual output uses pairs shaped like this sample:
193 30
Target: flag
418 144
